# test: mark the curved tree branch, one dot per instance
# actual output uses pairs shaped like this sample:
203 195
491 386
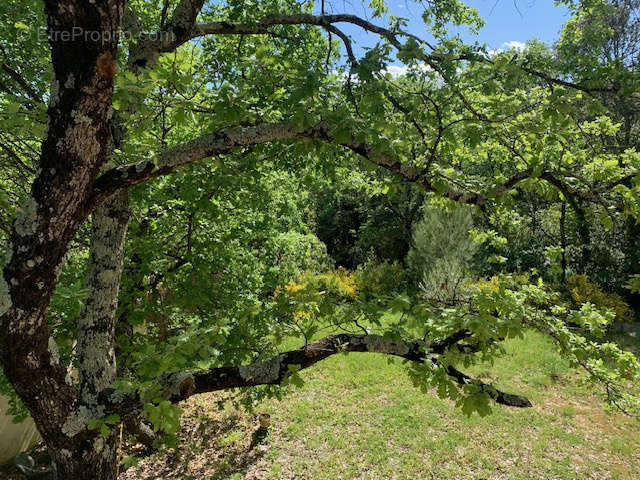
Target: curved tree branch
218 143
183 28
182 385
228 140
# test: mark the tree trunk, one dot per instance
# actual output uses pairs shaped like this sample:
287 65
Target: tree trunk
94 459
96 325
75 148
90 455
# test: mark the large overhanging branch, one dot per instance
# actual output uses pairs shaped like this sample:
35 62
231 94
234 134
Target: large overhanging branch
219 143
182 385
228 140
557 181
263 25
183 28
179 31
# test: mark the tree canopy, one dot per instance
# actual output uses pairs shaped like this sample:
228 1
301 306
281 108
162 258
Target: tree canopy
185 185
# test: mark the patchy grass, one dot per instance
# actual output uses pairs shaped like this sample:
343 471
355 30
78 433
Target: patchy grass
359 417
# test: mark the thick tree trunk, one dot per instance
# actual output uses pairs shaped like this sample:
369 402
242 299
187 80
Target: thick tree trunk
83 37
96 325
90 455
98 461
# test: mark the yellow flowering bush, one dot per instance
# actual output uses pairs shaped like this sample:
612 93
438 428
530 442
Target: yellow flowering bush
582 291
294 287
491 285
340 283
303 299
300 315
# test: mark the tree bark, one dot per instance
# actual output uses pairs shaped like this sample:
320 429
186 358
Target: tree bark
83 37
90 455
182 385
98 461
96 326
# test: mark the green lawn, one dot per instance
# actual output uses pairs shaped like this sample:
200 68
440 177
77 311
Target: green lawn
359 417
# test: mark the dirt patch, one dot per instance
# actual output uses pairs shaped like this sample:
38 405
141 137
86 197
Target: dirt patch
212 444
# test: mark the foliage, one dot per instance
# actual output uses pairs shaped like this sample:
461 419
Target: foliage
367 215
376 280
516 304
583 291
441 254
229 260
296 253
104 424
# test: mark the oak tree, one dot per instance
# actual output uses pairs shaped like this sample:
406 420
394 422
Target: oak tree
120 105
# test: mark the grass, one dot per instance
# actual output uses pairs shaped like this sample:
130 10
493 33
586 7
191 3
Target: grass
359 417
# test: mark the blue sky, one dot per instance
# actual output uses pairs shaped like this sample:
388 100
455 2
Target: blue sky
506 20
531 19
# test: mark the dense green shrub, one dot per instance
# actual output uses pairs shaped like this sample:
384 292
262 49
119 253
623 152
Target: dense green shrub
441 254
295 253
582 291
379 279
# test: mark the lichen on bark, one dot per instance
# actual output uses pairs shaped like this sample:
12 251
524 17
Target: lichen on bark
263 372
53 351
96 335
79 419
26 223
378 344
5 297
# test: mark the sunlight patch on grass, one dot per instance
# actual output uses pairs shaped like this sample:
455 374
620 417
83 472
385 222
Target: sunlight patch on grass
358 416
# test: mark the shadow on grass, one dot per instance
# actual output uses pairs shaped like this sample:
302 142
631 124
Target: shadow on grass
627 336
211 445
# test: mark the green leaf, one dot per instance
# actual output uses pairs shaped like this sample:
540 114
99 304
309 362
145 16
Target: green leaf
104 430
